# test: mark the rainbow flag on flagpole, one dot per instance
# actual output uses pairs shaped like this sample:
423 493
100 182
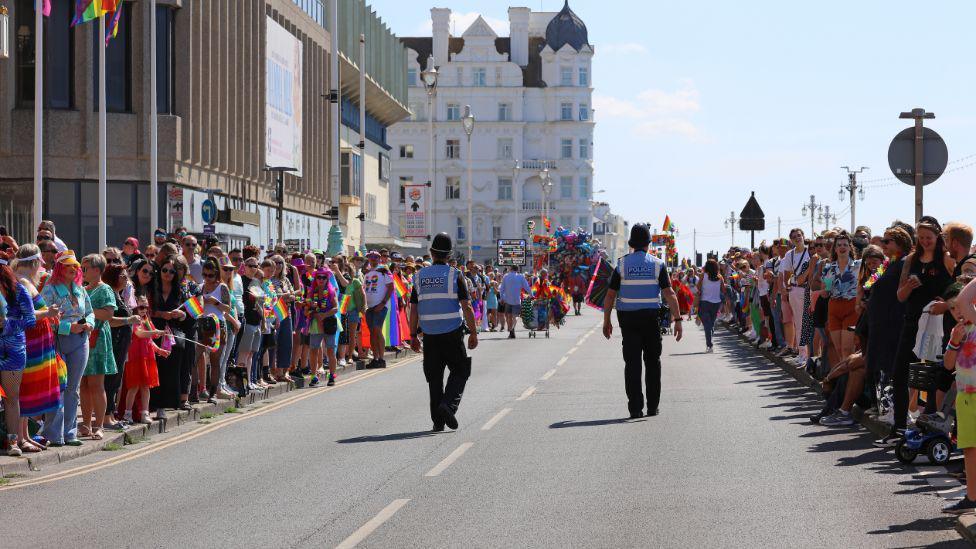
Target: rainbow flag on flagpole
194 306
400 287
112 29
89 10
345 304
280 310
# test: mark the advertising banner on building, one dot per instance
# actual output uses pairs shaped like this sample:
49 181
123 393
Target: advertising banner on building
415 213
283 99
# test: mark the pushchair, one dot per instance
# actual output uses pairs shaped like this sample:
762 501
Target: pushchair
535 315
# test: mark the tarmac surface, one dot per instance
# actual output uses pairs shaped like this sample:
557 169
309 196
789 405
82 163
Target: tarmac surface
543 458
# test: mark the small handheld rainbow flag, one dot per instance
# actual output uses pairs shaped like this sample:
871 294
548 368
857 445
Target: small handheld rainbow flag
280 310
345 305
194 306
400 287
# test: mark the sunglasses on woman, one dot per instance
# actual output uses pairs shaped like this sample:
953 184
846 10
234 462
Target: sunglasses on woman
227 269
250 265
209 275
168 271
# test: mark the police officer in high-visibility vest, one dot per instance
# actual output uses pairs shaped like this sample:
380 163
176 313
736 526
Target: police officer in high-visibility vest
637 287
440 308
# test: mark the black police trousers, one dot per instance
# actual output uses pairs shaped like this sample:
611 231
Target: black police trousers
445 351
641 332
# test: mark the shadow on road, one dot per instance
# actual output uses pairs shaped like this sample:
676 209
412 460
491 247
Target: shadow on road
594 422
387 438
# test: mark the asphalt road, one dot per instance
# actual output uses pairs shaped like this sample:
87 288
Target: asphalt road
542 459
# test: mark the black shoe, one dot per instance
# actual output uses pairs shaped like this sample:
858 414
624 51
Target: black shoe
652 413
636 415
437 428
511 334
448 416
381 364
314 382
815 419
371 364
960 507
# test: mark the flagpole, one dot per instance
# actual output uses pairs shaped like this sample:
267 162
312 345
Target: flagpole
38 113
102 141
153 124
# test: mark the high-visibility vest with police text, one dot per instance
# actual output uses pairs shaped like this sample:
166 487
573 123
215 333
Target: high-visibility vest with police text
437 299
639 287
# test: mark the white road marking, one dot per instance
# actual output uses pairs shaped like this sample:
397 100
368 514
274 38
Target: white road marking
498 417
573 350
527 393
562 361
374 523
548 374
439 468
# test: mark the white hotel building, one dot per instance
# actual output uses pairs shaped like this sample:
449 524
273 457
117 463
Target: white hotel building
530 94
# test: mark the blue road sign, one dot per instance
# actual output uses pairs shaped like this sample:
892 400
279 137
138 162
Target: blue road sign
209 211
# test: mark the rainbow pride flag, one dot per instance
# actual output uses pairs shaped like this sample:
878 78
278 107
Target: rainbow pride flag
400 287
280 310
194 306
112 28
89 10
345 304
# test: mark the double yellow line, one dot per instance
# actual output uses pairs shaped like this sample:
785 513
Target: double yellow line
185 437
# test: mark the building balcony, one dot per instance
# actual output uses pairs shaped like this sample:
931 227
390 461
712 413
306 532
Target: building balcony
537 164
536 206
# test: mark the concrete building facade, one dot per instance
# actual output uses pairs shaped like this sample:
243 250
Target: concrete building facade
212 90
531 95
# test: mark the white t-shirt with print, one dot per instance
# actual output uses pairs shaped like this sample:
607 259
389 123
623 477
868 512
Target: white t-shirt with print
374 284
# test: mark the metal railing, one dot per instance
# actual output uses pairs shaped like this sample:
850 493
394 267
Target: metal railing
536 206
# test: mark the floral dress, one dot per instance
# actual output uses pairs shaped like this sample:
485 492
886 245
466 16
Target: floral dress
101 359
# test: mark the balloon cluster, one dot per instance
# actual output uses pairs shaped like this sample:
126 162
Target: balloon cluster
569 252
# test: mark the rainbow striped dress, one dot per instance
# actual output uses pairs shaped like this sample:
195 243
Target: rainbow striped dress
40 388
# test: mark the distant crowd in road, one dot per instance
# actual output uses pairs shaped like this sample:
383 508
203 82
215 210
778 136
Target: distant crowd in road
866 313
98 342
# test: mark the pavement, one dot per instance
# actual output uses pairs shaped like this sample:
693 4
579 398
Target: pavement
542 458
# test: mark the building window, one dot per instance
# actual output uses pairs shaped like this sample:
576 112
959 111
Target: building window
504 148
566 148
504 112
584 146
583 222
404 181
460 230
498 76
453 112
565 111
584 77
496 232
118 67
406 151
566 221
453 148
584 111
452 188
504 188
460 75
350 174
370 206
412 77
566 187
584 187
165 60
479 77
565 76
384 167
59 53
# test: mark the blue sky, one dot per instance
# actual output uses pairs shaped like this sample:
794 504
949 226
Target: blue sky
699 103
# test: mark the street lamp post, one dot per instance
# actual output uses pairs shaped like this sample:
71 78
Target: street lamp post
429 77
813 207
854 190
730 223
279 172
545 181
467 122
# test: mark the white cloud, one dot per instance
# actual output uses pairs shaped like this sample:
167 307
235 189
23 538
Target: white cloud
622 48
656 112
461 21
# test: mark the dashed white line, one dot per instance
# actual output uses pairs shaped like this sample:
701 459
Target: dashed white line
548 374
374 523
562 361
498 417
439 468
527 393
573 350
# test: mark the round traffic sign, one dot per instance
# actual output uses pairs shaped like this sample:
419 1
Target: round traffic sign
209 211
901 155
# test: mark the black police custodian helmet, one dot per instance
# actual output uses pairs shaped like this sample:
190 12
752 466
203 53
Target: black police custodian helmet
442 243
640 236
